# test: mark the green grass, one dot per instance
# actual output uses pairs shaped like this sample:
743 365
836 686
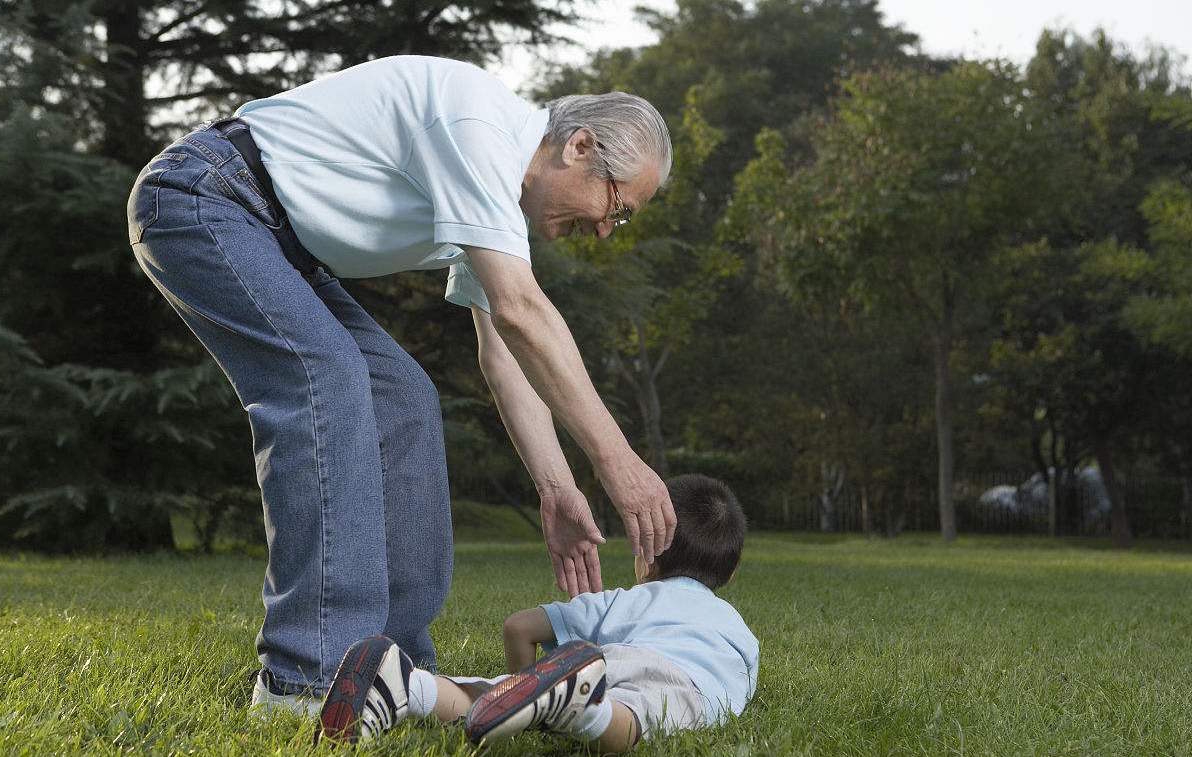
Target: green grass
989 646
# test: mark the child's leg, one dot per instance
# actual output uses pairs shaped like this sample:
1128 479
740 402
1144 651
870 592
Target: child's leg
454 699
622 733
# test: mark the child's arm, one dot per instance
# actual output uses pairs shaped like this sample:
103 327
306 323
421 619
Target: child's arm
523 632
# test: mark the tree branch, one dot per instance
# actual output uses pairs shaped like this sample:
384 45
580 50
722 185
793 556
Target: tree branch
191 95
182 19
621 369
666 351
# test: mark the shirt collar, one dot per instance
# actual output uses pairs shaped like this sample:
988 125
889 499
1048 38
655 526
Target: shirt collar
686 582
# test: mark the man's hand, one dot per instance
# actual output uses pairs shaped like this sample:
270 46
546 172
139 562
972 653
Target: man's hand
538 339
644 504
571 539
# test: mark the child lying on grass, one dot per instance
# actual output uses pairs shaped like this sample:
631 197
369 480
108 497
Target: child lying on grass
663 656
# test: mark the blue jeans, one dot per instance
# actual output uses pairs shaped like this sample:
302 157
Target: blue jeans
347 428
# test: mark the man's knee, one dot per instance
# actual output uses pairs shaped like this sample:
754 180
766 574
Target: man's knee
406 399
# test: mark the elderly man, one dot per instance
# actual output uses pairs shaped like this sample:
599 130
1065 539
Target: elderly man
398 164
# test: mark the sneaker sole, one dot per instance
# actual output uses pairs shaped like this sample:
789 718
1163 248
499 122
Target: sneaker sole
343 708
511 696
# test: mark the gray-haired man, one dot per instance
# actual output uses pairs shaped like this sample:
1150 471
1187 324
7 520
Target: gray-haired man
397 164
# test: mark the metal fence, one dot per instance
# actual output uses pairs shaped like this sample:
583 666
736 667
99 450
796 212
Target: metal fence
1156 507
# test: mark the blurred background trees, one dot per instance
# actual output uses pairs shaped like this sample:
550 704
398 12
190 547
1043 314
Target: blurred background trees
875 282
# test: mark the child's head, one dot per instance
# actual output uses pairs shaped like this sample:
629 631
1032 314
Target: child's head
709 533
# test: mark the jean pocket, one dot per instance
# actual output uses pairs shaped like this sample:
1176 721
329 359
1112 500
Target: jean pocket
144 201
247 192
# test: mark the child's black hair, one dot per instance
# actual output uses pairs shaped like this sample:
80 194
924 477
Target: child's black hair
709 534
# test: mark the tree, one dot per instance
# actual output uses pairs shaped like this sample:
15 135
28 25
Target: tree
858 378
1164 315
1067 355
1066 361
917 180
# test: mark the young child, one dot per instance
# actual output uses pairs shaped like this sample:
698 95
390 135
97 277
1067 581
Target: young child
663 656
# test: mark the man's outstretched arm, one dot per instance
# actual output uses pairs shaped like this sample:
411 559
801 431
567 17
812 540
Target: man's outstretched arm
538 338
571 534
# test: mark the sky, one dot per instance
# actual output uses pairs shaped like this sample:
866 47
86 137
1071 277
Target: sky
975 28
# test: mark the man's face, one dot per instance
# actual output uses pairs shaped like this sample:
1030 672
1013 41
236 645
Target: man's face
577 198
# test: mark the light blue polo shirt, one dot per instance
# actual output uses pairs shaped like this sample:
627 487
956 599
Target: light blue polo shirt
394 164
682 620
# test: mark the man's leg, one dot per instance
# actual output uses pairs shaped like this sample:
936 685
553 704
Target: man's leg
409 424
305 385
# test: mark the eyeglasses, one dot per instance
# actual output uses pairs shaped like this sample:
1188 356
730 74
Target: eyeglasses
621 215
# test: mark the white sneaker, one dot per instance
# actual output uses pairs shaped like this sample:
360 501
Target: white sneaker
265 703
370 692
549 695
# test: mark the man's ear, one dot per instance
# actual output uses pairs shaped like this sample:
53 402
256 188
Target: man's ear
580 147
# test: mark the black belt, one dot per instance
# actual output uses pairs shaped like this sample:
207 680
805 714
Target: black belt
236 132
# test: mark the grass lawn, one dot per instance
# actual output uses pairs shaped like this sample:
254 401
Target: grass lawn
989 646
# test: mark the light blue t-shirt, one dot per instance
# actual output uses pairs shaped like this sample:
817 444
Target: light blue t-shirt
682 620
394 164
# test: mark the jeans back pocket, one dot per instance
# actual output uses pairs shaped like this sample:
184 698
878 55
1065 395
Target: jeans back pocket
144 202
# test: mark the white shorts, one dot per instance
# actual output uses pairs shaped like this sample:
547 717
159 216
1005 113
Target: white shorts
659 694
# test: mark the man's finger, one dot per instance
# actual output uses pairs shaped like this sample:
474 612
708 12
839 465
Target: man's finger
594 534
668 517
646 529
632 534
560 576
572 581
659 530
581 573
593 562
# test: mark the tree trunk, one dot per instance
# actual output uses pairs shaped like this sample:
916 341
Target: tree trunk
831 483
1187 480
865 520
1119 525
652 417
943 422
122 110
1052 510
643 377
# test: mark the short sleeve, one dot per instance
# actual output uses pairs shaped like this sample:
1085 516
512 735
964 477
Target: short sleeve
472 172
464 288
581 617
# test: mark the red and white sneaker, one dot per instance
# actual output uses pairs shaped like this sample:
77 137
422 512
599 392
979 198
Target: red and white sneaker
369 694
548 695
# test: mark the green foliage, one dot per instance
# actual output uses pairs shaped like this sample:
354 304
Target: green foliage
1073 360
1066 358
64 459
917 178
756 65
146 427
1164 313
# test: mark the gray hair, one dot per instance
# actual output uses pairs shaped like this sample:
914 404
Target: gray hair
630 133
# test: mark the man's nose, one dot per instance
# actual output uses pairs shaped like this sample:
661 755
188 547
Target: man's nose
604 229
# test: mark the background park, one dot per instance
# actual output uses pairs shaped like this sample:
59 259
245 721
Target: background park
929 315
